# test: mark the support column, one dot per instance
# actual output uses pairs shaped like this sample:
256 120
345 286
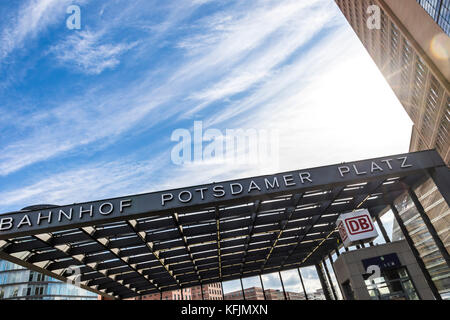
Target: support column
323 281
282 285
430 227
419 261
303 285
334 271
262 287
337 252
330 281
380 226
201 289
242 288
382 229
332 263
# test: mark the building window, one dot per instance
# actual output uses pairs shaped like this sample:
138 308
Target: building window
439 10
393 284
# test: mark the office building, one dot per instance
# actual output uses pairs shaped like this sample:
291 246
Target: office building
410 44
180 294
19 283
410 50
212 291
439 10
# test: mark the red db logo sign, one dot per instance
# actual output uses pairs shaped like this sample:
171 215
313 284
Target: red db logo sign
358 225
342 231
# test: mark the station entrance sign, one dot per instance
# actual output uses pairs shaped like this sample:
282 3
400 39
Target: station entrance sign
356 227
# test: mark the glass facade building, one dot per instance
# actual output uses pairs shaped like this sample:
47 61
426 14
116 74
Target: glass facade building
439 10
19 283
292 284
440 215
400 47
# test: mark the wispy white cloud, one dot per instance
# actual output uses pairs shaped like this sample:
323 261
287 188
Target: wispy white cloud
85 52
329 107
80 184
85 114
238 33
32 18
73 124
318 100
262 64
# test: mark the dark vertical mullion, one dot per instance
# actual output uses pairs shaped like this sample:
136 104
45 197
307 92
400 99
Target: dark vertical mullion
262 286
430 227
242 288
282 285
323 281
334 271
201 289
303 285
337 252
416 254
439 10
330 281
382 229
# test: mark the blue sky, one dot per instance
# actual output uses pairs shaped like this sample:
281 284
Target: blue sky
88 114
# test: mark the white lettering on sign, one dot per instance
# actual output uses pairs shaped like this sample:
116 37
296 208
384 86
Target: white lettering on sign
6 223
237 188
124 204
109 208
63 213
258 186
25 221
29 220
273 184
381 166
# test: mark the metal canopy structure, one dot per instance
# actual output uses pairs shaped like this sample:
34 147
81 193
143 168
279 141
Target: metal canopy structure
149 243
